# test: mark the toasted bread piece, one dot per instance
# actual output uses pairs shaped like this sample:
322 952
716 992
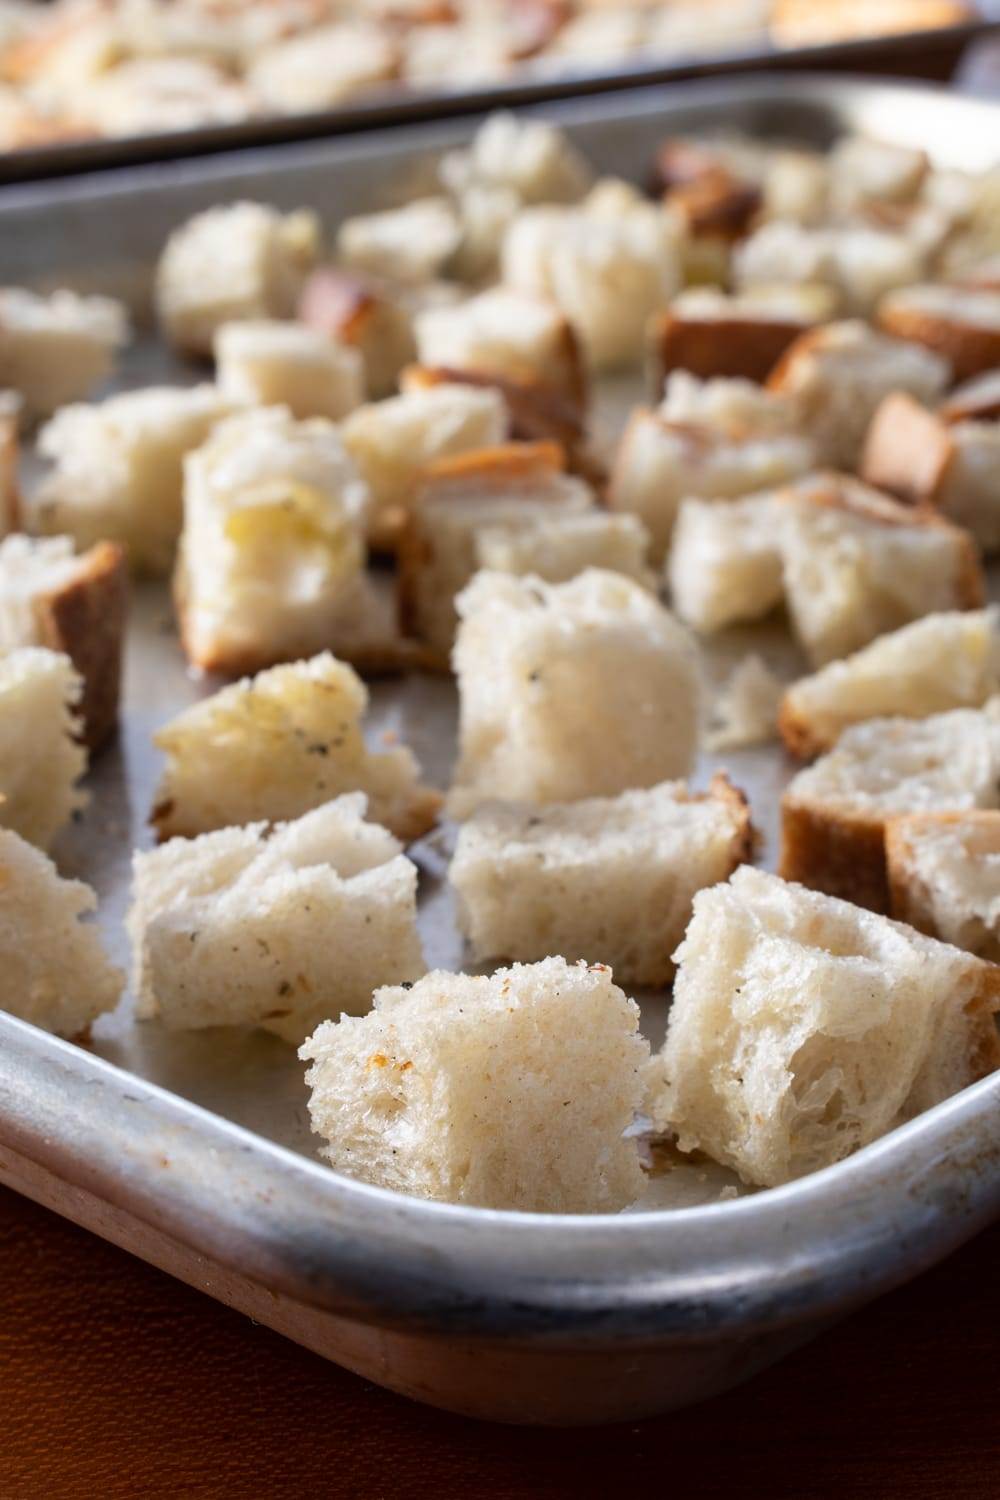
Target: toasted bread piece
803 1029
703 189
41 760
274 746
725 561
834 813
415 243
74 605
578 689
53 969
513 1091
238 929
558 545
10 491
608 876
907 450
944 877
863 171
268 363
860 262
710 332
975 400
55 349
368 314
961 324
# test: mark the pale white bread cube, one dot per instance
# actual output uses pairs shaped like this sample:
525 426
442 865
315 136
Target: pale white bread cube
606 879
505 332
709 332
863 171
512 485
558 547
118 469
509 1092
969 494
608 264
944 877
803 1029
53 970
449 55
276 745
76 605
271 565
744 710
715 440
861 263
835 811
288 364
415 243
531 158
943 661
570 690
41 760
238 929
367 314
796 185
392 443
56 348
960 324
839 374
323 67
152 95
10 489
856 564
974 400
240 260
725 564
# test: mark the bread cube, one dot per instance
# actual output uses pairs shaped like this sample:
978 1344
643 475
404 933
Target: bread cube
941 662
961 325
716 439
834 813
570 690
53 969
288 364
415 243
803 1029
324 67
608 264
40 758
74 605
512 485
512 1091
117 470
606 878
819 23
725 561
864 171
10 491
393 442
975 400
271 565
709 332
838 376
858 262
56 348
275 745
504 332
944 877
366 314
531 158
558 546
237 929
240 260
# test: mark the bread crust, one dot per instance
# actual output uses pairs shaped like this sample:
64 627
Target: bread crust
978 400
797 734
710 198
748 348
86 618
835 853
721 789
908 451
10 495
409 824
969 349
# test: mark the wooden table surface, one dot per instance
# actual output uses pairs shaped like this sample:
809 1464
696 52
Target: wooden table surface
116 1381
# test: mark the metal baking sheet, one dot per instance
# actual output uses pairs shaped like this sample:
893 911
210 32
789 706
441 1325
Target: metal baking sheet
930 53
194 1151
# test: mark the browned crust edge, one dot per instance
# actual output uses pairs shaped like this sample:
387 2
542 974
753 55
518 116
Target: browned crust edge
86 619
834 853
728 346
908 451
968 349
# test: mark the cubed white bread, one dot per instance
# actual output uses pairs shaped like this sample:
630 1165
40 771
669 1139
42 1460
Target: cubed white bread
75 605
605 879
508 1092
240 260
969 494
839 374
274 746
960 324
238 929
724 565
835 811
974 400
944 877
744 710
811 23
53 969
56 348
323 67
41 760
796 185
117 469
803 1028
532 158
710 332
558 547
608 264
863 170
570 690
393 442
856 564
941 662
512 485
715 440
504 332
288 364
365 313
271 565
153 95
860 263
415 243
10 489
